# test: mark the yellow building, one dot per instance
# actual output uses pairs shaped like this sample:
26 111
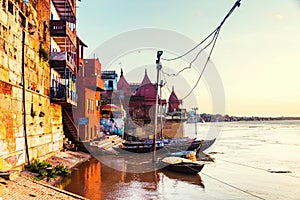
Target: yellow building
30 121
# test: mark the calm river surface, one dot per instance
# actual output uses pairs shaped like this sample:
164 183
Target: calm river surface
246 156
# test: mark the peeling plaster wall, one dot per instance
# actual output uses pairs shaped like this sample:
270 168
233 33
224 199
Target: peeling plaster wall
43 119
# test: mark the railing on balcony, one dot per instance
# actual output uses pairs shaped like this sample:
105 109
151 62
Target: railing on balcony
61 60
62 28
66 9
63 95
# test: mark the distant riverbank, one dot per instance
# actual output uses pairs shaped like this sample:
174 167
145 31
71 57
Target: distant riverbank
226 118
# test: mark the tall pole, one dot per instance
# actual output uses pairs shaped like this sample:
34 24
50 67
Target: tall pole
158 67
24 97
196 120
161 111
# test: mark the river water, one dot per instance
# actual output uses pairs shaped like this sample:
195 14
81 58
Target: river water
248 157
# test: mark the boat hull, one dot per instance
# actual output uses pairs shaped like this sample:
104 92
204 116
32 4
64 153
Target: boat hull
133 149
185 168
199 145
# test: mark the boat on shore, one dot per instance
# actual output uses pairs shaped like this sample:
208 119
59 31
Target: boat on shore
136 149
171 146
181 165
183 154
195 145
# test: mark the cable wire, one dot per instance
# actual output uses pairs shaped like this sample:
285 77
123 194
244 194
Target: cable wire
205 65
258 168
235 187
237 4
215 32
190 64
166 83
195 47
214 40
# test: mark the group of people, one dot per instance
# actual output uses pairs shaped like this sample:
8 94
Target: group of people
110 127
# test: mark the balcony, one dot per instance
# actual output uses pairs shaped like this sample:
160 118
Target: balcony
61 29
61 60
63 95
66 9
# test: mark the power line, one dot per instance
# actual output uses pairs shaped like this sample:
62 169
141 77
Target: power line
166 83
237 4
205 65
181 56
215 32
214 40
190 64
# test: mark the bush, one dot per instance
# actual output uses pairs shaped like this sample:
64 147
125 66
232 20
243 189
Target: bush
45 170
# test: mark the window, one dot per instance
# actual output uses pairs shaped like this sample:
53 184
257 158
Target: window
90 106
11 7
4 4
110 84
98 104
22 19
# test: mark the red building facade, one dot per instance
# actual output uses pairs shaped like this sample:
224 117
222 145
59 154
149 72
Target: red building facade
174 102
142 101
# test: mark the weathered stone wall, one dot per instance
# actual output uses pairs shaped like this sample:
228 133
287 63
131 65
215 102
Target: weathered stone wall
43 119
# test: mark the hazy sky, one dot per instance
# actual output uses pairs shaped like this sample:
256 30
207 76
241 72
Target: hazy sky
256 55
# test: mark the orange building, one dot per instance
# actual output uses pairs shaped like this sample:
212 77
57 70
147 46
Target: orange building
87 113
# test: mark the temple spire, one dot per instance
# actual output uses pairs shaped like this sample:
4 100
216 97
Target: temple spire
145 70
172 88
121 72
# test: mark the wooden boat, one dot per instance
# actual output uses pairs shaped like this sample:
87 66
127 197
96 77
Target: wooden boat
161 147
182 154
136 149
196 145
181 165
144 142
171 141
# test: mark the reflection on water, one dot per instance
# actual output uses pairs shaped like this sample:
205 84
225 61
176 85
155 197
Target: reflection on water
193 179
98 181
134 162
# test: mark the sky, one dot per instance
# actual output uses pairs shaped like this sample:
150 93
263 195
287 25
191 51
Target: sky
256 55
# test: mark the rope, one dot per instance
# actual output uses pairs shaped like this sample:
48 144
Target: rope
258 168
237 4
237 188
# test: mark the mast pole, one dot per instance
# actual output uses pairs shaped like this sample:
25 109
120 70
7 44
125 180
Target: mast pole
161 111
158 68
196 120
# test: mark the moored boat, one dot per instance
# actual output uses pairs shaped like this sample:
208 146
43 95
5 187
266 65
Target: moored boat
136 149
181 165
182 154
161 147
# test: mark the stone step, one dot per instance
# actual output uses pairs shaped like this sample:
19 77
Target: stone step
112 143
